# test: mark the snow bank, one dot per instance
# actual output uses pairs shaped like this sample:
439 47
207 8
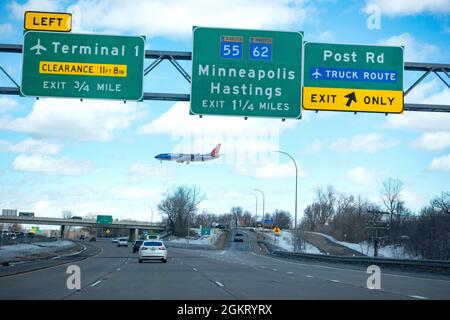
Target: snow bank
390 251
286 241
203 240
32 250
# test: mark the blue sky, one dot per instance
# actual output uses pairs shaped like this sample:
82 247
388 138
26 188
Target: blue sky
97 156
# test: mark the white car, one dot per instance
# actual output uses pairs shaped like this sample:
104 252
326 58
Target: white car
153 250
122 242
115 240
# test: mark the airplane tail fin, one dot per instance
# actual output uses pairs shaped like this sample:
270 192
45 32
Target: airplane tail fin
215 151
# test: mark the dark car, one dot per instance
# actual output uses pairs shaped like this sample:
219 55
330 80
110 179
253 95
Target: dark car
93 239
82 237
238 237
137 244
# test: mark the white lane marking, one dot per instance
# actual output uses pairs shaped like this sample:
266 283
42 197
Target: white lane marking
96 283
223 252
308 276
219 284
289 272
194 269
419 297
336 281
118 269
274 269
343 269
262 267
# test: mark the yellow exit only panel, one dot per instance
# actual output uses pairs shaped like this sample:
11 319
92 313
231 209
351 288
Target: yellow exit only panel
354 100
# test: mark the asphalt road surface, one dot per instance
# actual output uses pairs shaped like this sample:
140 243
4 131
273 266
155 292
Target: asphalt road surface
239 272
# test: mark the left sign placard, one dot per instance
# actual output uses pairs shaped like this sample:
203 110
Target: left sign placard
47 21
83 66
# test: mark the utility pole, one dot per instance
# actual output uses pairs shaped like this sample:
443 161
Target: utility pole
256 214
296 184
264 202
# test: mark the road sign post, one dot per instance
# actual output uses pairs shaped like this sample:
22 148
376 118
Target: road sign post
250 73
356 78
82 66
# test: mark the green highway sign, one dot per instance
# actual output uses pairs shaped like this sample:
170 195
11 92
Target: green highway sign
74 65
205 231
104 219
356 78
250 73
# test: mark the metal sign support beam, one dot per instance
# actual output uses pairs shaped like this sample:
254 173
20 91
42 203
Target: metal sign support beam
442 71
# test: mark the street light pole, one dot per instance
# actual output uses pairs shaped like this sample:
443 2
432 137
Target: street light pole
296 183
256 198
264 204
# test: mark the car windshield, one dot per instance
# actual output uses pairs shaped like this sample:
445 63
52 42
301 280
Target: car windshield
153 244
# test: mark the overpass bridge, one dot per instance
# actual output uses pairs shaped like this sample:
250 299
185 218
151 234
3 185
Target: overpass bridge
133 226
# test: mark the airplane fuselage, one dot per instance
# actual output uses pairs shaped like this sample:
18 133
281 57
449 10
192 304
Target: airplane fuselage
185 157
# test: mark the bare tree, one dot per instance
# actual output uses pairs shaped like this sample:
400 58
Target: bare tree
442 202
179 208
67 214
390 195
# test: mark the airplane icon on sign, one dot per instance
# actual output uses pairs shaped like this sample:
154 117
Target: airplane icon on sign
38 47
317 74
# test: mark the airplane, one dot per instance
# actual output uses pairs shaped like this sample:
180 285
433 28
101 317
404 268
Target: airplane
38 47
317 74
190 157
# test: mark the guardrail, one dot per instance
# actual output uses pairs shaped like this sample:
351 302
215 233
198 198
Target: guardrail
419 264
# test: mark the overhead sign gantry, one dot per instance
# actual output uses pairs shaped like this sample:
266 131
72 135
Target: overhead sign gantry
357 78
250 73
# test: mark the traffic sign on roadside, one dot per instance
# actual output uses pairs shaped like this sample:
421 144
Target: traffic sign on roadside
82 66
104 219
356 78
250 73
277 230
205 231
47 21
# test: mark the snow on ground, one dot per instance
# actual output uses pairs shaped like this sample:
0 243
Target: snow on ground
23 250
286 241
202 240
390 251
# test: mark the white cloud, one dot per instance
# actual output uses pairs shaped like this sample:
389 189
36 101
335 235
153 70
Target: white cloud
140 172
361 176
6 28
48 165
440 163
370 143
413 200
325 36
135 194
419 121
7 104
411 7
272 171
30 146
415 51
171 18
314 147
433 141
69 118
18 10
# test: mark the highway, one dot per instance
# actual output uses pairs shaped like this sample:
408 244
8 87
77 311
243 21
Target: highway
239 272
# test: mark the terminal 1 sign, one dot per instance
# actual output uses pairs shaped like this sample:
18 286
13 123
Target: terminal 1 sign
250 73
356 78
74 65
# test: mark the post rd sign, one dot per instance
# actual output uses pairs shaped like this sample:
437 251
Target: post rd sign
355 78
